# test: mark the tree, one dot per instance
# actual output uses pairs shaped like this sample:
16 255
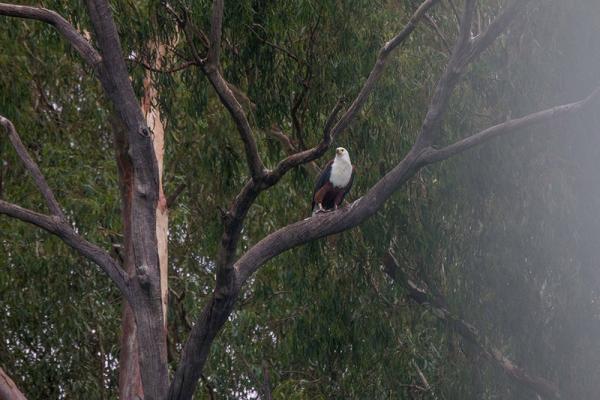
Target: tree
140 173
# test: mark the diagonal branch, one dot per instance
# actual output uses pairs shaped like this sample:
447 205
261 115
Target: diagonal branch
64 231
79 43
510 126
495 29
443 91
8 388
32 167
334 222
211 67
57 223
418 292
379 66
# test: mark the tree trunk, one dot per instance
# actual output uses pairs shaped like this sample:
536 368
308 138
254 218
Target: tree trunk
130 385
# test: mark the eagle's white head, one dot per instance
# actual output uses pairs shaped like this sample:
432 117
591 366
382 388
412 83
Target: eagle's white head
341 154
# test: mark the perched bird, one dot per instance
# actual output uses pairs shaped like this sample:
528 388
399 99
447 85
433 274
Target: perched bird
334 182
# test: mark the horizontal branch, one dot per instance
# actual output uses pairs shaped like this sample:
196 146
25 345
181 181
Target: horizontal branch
76 39
510 126
171 70
418 292
64 231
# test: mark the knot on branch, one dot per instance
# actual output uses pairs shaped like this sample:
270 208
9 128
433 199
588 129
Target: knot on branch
145 132
143 276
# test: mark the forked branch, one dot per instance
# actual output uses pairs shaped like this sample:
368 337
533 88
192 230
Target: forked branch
79 43
57 223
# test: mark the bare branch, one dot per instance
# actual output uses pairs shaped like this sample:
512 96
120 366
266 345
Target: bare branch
216 27
291 149
510 126
418 292
438 32
32 167
211 68
379 66
63 230
171 70
8 388
495 29
230 277
79 43
446 84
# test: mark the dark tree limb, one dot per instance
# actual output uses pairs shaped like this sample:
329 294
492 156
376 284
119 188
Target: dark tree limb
435 155
79 43
57 223
379 66
64 231
8 388
32 167
211 67
145 299
495 29
177 68
291 148
418 292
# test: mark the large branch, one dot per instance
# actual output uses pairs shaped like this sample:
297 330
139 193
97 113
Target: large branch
32 167
418 292
64 231
438 105
211 67
251 190
79 43
57 223
8 388
435 155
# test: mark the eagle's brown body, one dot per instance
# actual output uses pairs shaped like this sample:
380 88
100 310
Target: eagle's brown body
334 182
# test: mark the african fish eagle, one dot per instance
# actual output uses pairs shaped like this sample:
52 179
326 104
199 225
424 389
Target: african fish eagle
334 182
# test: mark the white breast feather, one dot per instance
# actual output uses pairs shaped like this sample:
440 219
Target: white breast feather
341 172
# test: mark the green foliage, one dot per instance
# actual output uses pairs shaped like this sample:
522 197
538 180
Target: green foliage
506 233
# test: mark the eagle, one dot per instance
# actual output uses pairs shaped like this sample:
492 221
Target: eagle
333 183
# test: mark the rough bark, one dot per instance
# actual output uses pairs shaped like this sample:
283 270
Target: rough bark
143 288
145 283
130 381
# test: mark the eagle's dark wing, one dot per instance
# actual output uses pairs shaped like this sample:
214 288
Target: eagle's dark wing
322 180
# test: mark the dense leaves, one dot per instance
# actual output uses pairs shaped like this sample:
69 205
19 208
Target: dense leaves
506 233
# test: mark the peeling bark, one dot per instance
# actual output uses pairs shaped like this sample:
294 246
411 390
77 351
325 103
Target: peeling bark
8 388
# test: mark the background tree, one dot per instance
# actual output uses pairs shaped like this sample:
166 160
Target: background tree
285 71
